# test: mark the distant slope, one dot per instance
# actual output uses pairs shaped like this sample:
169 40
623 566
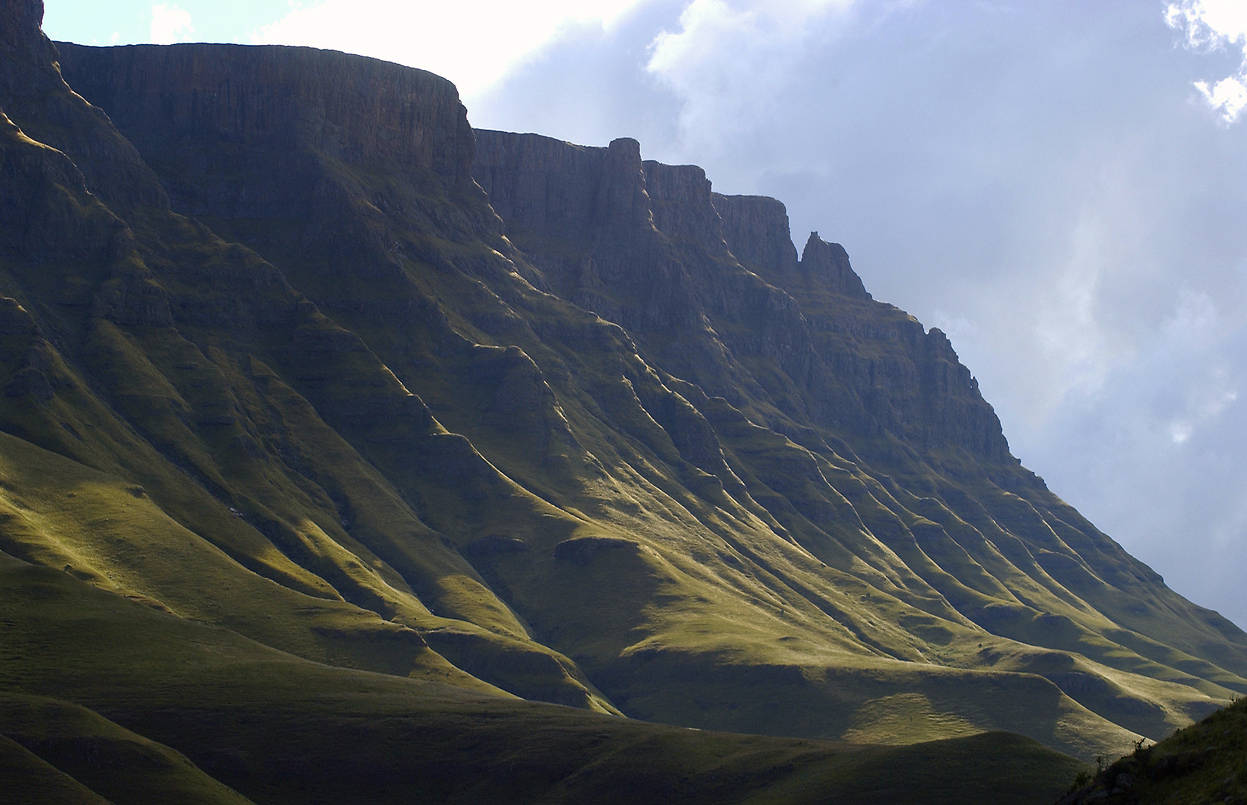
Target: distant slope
328 425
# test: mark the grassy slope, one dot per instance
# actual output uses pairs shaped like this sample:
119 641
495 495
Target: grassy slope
230 466
251 716
30 779
667 547
972 545
101 756
1204 762
278 728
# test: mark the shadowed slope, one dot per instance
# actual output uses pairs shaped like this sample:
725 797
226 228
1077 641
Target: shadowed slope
301 519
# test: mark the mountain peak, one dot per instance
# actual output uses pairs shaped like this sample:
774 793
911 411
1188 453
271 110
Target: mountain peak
831 259
625 148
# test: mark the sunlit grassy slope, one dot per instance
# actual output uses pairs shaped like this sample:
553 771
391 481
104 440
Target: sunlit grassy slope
166 708
303 445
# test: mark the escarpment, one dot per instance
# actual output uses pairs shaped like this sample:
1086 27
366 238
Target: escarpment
264 99
406 427
812 317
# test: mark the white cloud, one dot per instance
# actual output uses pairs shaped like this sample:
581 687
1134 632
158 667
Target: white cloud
170 24
727 57
1208 22
1216 25
473 43
1229 95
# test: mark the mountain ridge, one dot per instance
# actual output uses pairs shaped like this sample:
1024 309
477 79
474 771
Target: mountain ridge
510 414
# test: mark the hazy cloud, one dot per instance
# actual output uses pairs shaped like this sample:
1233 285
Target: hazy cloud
169 24
1216 25
766 43
428 35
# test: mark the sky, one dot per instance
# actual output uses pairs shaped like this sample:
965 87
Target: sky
1061 186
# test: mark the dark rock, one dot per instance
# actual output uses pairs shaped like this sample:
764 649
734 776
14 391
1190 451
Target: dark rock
20 23
34 96
832 262
350 108
756 230
682 207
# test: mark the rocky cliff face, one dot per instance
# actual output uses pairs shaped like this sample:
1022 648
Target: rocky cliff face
275 100
831 261
34 93
586 433
717 277
756 231
22 22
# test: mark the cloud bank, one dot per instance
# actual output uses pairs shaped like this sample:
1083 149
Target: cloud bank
1216 25
501 36
169 24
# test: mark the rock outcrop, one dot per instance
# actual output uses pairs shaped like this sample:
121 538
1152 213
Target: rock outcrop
831 263
36 98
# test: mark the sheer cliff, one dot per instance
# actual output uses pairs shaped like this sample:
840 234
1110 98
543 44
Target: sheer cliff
318 390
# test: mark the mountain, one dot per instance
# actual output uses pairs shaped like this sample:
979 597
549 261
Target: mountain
349 453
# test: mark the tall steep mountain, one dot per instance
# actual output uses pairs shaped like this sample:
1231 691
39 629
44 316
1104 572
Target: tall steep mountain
344 412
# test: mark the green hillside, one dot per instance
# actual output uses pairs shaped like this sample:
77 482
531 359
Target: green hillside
1205 762
277 728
